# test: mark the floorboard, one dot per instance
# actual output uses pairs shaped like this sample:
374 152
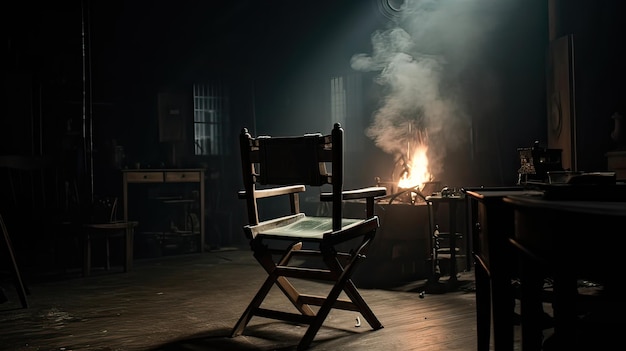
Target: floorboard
190 302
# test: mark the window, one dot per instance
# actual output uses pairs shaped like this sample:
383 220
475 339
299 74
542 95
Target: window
338 100
346 107
210 118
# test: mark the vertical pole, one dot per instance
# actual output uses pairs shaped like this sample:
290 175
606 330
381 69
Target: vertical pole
87 111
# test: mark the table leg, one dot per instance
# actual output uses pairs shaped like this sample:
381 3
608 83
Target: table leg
86 253
531 305
128 247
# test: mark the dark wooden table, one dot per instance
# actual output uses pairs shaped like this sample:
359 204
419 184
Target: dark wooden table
492 225
569 240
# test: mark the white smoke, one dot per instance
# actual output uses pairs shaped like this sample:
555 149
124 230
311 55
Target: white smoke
419 59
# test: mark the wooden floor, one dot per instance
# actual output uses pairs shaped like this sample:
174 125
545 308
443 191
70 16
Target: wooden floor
190 302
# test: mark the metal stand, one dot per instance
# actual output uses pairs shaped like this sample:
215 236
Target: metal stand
437 237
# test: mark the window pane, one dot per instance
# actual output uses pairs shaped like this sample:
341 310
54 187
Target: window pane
211 118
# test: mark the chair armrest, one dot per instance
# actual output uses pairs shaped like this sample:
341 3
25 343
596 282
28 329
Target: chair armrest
283 190
362 193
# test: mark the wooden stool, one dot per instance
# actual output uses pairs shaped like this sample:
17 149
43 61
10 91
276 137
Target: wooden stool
108 230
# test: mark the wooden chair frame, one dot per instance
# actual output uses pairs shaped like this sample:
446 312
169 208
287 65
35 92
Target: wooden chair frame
284 166
17 277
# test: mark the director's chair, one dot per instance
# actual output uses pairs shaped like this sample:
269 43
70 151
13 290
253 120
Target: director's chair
285 166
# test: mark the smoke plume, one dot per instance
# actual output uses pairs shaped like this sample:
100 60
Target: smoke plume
420 58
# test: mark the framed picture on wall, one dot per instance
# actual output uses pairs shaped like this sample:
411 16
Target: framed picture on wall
173 116
560 100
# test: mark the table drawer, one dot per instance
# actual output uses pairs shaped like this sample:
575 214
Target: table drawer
182 176
144 177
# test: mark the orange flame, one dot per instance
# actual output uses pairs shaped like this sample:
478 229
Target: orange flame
418 173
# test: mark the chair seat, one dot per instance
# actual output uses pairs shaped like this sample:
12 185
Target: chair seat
304 227
112 225
124 229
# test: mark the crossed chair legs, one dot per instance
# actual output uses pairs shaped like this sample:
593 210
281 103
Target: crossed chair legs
336 271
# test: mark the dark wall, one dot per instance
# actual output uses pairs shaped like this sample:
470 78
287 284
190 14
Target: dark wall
277 59
599 73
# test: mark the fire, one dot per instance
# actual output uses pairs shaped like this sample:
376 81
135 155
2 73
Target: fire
416 169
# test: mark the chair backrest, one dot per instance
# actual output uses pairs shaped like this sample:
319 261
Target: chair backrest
310 159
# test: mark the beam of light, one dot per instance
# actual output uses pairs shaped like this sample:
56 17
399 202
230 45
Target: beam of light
422 59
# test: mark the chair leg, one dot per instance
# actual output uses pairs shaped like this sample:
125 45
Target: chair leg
264 257
354 295
347 285
254 304
344 283
107 252
19 284
322 313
